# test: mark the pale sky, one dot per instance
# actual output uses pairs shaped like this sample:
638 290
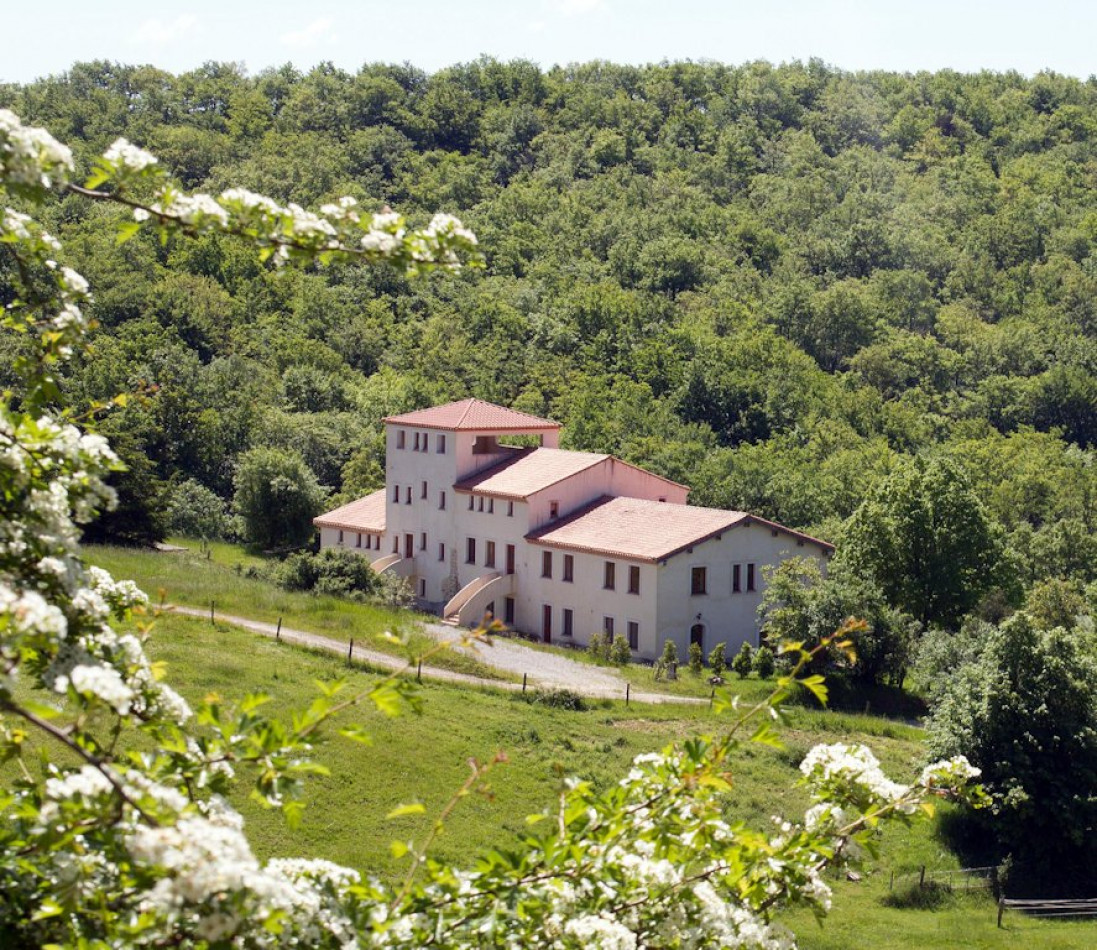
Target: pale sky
966 35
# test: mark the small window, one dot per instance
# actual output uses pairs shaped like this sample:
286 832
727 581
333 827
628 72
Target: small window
407 495
568 615
546 564
633 635
422 587
470 551
750 577
698 580
663 498
401 438
441 440
472 502
489 554
441 552
396 493
358 540
422 541
423 491
416 447
340 535
491 506
442 500
634 579
609 576
569 568
510 509
607 626
481 503
736 578
396 545
554 509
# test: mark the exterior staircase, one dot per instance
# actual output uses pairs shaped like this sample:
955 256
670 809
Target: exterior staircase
466 607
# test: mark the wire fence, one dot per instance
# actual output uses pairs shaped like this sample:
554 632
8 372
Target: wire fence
952 879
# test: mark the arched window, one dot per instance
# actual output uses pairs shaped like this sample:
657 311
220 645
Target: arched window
697 635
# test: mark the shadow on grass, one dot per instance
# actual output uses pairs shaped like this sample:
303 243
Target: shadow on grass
914 896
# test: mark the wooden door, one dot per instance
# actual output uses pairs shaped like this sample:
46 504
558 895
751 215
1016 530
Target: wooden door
510 558
546 623
409 545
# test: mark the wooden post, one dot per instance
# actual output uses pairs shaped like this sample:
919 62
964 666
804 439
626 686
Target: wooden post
350 652
523 682
922 877
712 697
1001 907
628 690
211 612
891 881
278 632
419 671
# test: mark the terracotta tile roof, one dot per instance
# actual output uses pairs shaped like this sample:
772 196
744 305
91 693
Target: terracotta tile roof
365 514
636 528
529 471
475 415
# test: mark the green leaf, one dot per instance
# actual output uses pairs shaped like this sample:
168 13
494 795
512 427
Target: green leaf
412 808
126 230
398 849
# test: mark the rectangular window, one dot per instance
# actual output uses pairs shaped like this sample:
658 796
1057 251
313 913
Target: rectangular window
396 545
750 577
508 610
489 554
567 621
491 506
481 504
401 437
546 564
422 587
423 491
554 510
510 509
422 541
340 535
442 500
472 502
633 635
407 495
396 493
736 578
609 576
698 583
470 551
569 567
607 626
634 579
441 444
441 552
358 540
416 448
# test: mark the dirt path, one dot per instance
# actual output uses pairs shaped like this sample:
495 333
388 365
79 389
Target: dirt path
542 669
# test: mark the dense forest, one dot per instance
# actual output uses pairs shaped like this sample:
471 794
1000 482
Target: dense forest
770 283
864 305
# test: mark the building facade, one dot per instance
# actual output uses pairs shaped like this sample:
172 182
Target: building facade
484 513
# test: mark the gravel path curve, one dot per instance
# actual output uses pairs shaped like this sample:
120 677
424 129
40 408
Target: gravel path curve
542 669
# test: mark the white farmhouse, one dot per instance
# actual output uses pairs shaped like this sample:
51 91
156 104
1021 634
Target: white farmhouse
555 543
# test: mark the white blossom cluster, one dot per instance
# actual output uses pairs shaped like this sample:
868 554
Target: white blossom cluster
855 769
124 154
31 157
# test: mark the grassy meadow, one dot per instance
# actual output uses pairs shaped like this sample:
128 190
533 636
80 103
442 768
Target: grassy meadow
423 758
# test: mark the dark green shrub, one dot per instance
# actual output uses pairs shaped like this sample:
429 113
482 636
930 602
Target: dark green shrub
764 663
696 659
718 659
744 661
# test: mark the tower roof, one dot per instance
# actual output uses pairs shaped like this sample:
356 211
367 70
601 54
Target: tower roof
473 415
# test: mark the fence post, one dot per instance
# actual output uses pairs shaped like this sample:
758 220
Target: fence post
1001 907
211 612
628 690
278 632
922 877
712 697
419 671
350 652
523 682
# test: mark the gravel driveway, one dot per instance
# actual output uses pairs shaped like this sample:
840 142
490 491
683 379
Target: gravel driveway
543 669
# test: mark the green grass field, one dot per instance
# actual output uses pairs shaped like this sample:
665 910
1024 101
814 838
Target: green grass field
423 758
193 579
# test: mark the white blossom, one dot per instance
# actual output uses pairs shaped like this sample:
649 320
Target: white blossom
126 155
